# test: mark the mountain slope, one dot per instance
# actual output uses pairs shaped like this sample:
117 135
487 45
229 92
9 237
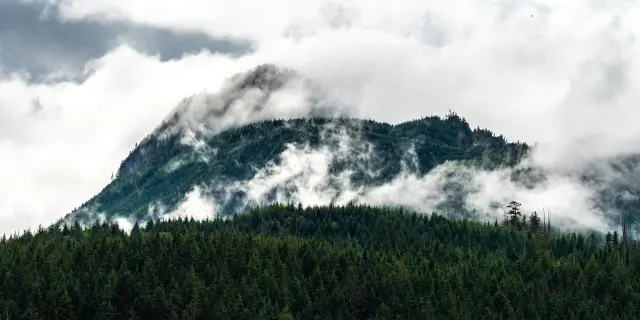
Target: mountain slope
217 154
361 154
225 149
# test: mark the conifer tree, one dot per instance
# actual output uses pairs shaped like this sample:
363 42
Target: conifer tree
534 222
514 214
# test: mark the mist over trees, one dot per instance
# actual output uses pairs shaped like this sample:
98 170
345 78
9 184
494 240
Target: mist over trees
162 169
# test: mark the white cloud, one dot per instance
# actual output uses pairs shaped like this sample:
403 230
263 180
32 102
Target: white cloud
564 76
302 175
196 205
56 156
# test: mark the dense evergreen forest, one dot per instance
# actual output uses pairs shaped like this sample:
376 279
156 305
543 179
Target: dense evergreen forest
289 262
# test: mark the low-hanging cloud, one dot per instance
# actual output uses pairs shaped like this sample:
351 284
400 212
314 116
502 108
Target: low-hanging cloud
262 93
303 174
564 75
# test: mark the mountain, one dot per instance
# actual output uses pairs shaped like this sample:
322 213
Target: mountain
270 134
317 153
162 170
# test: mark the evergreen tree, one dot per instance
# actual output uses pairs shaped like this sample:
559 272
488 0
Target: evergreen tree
343 262
514 214
534 222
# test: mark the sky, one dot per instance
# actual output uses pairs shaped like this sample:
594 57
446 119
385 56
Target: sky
81 81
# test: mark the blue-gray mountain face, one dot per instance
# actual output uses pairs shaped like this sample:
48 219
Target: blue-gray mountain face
226 147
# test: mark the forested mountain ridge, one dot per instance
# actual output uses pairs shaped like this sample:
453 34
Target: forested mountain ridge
162 169
290 262
197 149
316 156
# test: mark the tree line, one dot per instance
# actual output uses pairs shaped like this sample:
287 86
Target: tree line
334 262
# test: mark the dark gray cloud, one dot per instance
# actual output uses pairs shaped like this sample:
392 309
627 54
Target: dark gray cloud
34 41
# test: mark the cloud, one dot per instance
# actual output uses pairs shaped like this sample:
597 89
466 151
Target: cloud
302 174
40 45
305 174
561 71
262 93
61 142
196 205
566 77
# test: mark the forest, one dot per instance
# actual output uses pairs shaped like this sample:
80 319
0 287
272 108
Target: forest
163 169
284 261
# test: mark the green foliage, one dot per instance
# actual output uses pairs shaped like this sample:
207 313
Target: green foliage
289 262
162 169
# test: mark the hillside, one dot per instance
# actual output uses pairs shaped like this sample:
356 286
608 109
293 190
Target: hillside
162 170
289 262
226 151
199 151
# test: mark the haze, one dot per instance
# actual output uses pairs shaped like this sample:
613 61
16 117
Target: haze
82 81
